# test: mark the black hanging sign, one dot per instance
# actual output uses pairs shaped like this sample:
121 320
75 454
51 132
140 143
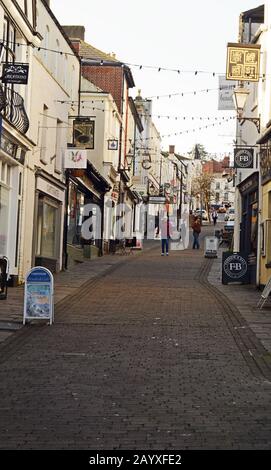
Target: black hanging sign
234 268
243 158
15 73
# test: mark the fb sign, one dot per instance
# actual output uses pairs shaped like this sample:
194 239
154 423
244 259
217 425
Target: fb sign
243 158
234 268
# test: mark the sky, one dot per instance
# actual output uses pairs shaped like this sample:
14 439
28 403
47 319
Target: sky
190 36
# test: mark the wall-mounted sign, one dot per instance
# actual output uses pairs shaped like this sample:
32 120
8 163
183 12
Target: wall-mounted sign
50 189
112 144
234 268
83 133
15 73
243 62
243 158
75 158
225 96
38 295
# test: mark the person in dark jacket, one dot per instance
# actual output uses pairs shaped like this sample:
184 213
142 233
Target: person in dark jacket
196 227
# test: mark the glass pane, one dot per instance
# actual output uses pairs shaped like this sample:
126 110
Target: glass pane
47 220
4 210
71 238
8 175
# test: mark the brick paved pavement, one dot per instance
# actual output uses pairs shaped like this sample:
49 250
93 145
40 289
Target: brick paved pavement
142 358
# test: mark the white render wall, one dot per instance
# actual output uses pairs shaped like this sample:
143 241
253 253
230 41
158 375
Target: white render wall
50 135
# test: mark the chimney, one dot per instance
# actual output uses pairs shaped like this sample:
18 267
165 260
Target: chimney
75 32
172 149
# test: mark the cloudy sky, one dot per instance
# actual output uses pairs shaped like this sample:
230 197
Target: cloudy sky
190 36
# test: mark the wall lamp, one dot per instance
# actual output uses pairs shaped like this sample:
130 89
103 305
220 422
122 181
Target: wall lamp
240 97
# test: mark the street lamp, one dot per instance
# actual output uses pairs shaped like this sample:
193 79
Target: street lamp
129 159
240 97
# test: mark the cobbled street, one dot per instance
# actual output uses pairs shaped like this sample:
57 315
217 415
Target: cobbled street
141 358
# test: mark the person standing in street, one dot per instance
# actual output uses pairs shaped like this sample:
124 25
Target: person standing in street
165 235
214 216
196 227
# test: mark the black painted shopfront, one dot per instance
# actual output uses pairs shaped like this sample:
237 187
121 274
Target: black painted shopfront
249 190
84 187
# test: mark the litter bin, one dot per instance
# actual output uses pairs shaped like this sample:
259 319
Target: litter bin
3 277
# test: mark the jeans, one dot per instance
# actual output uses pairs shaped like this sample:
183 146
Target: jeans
165 245
196 240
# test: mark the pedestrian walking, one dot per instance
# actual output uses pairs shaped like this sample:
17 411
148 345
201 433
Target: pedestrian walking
165 235
196 227
214 217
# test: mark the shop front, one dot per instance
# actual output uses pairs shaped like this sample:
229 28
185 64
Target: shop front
249 191
85 187
12 157
265 264
48 226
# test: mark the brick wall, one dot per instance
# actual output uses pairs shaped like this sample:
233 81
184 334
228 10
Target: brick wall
108 78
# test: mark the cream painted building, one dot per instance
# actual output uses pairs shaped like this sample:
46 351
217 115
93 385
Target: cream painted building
36 175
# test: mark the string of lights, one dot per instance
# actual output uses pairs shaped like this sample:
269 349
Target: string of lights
102 62
201 118
192 118
189 130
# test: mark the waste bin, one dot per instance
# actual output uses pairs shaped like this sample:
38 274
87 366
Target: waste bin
3 277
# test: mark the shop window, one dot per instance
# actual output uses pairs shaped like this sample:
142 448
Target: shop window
75 216
268 241
47 228
4 214
254 228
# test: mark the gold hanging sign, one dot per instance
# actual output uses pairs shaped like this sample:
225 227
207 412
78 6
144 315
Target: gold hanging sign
243 62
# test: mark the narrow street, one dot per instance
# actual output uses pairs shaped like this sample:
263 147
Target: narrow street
141 358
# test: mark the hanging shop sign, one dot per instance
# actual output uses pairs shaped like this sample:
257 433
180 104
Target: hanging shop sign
225 94
243 158
265 162
112 144
243 62
157 200
234 268
38 295
75 158
83 133
15 73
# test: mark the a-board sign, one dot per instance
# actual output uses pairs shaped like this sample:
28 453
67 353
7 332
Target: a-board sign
265 294
234 268
38 295
210 247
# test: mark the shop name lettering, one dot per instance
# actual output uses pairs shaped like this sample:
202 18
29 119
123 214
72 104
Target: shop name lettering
236 267
52 190
155 459
91 228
